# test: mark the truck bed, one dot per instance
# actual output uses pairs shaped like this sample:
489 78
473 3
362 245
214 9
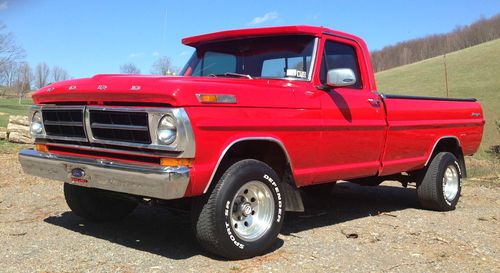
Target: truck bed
416 124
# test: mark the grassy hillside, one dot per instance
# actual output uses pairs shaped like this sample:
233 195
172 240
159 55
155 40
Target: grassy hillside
12 107
472 72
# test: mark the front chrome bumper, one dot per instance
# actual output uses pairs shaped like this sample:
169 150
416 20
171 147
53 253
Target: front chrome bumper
143 180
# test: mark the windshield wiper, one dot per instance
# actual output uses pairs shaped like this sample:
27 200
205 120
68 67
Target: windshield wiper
231 74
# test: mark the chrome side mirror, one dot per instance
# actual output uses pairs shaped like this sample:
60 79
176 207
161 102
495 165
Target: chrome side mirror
340 77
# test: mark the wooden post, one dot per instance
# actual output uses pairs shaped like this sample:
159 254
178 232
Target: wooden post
446 76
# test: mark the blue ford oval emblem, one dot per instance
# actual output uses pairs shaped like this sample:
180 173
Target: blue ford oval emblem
77 172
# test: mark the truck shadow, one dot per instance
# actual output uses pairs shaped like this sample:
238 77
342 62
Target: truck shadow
331 205
163 233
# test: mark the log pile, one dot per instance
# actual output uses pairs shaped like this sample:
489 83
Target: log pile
17 130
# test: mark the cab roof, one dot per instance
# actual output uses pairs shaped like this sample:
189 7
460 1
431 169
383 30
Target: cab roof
194 41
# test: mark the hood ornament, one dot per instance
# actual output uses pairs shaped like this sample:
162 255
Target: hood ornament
50 89
101 87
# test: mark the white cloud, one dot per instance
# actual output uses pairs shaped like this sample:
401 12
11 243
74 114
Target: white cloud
136 54
184 53
270 16
4 5
155 54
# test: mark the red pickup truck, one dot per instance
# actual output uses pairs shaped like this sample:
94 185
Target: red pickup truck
256 115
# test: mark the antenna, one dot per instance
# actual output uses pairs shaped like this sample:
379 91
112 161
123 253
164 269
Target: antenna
446 76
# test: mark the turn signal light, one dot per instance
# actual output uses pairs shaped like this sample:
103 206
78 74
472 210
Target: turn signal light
208 98
42 148
176 162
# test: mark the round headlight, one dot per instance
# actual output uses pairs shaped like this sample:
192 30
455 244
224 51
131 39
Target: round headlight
167 130
36 124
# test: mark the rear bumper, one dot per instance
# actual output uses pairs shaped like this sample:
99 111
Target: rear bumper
143 180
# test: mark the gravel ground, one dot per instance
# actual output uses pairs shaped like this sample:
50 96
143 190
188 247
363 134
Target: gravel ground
350 229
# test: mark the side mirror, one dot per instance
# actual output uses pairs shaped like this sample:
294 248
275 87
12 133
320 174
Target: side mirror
340 77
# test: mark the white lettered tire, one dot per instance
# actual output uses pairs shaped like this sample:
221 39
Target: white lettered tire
440 188
244 213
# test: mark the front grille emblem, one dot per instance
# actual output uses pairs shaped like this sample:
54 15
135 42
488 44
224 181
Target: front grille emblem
101 87
73 87
135 88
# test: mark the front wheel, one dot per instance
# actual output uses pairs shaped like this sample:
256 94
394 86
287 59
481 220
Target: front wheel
244 213
440 187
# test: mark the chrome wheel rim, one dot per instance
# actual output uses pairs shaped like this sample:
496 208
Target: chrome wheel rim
450 183
252 211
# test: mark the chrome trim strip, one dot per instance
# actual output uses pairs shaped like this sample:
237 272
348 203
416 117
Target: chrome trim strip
139 179
63 123
435 144
271 139
118 126
313 59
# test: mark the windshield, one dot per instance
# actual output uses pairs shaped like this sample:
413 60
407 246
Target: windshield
262 57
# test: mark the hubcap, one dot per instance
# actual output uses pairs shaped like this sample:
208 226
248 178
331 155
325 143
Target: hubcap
252 211
450 183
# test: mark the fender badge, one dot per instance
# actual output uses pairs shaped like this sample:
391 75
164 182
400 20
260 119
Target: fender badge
73 87
474 114
101 87
135 88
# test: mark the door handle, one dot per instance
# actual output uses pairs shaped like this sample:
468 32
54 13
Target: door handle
374 102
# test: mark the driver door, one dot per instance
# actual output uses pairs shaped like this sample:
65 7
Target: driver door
353 116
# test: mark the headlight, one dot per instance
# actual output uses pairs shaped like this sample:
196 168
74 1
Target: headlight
36 127
167 130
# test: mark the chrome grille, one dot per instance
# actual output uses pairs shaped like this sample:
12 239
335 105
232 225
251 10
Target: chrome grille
65 123
120 126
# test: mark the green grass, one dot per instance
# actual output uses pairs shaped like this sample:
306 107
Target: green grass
472 72
12 107
10 148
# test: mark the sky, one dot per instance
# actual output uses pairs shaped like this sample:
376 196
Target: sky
91 37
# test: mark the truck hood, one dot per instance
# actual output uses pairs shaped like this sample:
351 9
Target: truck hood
160 90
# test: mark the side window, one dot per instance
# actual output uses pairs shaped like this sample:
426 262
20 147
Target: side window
215 63
338 55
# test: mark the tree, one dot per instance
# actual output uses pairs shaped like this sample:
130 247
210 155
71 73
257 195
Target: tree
8 74
10 54
24 78
41 75
10 51
59 74
163 66
430 46
129 68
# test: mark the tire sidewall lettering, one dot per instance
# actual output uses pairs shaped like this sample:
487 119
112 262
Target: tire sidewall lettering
276 189
273 186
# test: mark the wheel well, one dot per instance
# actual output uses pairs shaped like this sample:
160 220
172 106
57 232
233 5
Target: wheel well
269 152
451 145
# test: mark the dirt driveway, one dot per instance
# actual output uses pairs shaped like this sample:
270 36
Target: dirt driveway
351 229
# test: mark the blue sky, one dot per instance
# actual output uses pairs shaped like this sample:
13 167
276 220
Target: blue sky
90 37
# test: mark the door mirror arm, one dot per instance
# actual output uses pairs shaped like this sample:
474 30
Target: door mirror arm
325 88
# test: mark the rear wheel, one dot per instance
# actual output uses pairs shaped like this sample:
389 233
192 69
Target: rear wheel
244 213
441 186
96 205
